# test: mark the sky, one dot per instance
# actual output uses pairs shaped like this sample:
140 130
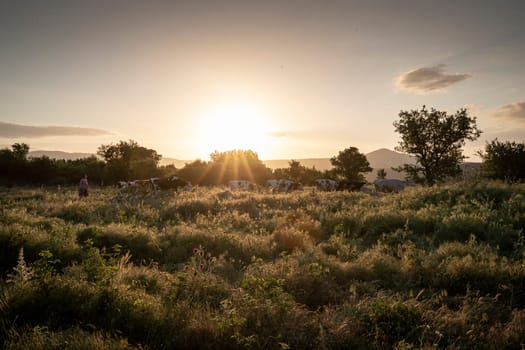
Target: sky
287 79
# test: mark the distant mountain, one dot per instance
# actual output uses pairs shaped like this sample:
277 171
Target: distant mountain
319 163
59 155
386 159
380 159
78 155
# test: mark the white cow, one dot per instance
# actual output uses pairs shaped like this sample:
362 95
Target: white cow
326 184
144 185
283 185
391 185
272 183
123 184
241 185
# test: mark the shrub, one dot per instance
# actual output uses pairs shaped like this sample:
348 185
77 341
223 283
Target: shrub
41 338
141 242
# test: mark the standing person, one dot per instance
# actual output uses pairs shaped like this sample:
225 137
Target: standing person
83 187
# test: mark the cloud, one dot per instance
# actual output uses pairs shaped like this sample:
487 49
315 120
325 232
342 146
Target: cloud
428 79
17 130
512 111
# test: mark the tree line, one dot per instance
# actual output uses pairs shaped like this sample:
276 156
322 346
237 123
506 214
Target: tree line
433 137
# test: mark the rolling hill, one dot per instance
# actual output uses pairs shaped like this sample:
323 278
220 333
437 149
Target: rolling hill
59 154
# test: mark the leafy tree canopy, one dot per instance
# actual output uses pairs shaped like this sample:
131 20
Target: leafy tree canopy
129 160
238 165
299 173
197 172
20 150
349 164
436 140
381 174
504 160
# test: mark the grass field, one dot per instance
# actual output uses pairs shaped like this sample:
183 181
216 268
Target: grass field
429 268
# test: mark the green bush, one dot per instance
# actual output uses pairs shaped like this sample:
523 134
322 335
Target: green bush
438 267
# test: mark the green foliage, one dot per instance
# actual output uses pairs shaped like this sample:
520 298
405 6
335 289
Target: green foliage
504 160
235 165
128 160
349 164
16 169
75 338
436 139
22 273
433 267
298 173
141 243
381 174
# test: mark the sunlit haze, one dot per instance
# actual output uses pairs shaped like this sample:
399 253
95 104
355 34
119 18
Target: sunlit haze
236 123
287 79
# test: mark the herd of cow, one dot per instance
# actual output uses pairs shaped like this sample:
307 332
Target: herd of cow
155 184
273 185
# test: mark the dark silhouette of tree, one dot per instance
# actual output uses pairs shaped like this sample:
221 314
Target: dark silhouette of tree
13 164
436 140
128 160
349 164
381 174
504 160
20 151
298 173
196 172
296 170
237 165
17 169
43 170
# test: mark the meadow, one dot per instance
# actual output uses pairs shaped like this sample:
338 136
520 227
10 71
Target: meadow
428 268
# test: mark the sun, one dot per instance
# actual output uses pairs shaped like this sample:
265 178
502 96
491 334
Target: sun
229 125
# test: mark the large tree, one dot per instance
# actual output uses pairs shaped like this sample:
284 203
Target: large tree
298 172
436 139
349 164
237 165
504 160
127 160
196 172
13 164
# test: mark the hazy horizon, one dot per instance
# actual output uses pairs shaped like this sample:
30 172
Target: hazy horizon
289 80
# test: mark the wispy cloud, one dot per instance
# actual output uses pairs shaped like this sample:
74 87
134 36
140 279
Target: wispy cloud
18 130
429 79
512 111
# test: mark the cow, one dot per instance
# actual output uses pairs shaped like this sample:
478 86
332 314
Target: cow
326 184
283 185
294 186
224 195
173 182
123 184
272 183
138 186
350 185
241 185
391 185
